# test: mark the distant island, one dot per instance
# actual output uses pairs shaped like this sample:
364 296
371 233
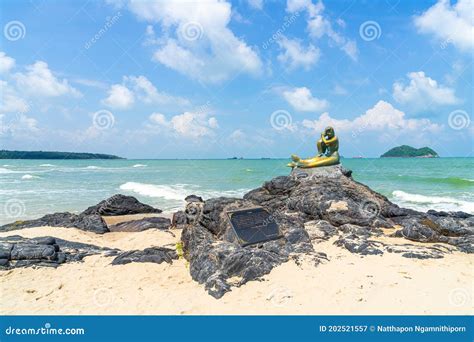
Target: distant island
4 154
406 151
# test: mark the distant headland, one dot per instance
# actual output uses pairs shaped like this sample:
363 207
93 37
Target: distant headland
4 154
406 151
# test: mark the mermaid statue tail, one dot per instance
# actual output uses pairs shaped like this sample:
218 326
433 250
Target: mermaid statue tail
295 161
295 158
318 161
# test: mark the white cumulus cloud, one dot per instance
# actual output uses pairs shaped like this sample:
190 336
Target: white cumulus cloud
319 25
11 102
39 80
189 124
422 92
383 117
198 42
6 63
120 97
302 100
295 55
123 96
449 23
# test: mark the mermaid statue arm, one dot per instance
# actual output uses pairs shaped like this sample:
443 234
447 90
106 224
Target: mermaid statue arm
329 141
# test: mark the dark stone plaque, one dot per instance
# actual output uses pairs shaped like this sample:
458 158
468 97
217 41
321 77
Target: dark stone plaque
253 225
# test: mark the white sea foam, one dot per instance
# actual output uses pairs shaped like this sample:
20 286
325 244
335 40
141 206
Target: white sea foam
3 170
227 193
139 165
423 202
27 176
47 165
177 192
169 192
93 167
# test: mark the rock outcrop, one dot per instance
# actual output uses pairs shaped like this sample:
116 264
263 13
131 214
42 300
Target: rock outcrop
16 251
153 254
92 223
310 206
91 218
120 205
142 224
219 262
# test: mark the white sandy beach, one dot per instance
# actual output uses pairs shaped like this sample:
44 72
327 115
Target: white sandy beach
348 284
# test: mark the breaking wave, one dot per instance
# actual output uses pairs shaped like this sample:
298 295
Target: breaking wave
27 176
139 165
177 192
423 202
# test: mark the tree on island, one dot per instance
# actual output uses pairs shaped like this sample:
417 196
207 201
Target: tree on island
410 152
4 154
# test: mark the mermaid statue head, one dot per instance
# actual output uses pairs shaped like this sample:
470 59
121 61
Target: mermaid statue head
329 132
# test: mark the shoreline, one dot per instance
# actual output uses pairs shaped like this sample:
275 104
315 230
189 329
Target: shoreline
342 249
348 284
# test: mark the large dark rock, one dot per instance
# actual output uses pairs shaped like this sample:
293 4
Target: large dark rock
93 223
120 205
179 219
142 224
153 254
218 261
90 219
454 229
311 206
16 251
341 201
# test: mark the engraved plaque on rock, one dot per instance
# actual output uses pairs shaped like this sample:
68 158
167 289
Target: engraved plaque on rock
253 225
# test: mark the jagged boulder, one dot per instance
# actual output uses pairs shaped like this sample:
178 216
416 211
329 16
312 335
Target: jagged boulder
454 229
311 206
16 251
91 218
142 224
179 219
219 261
92 223
153 254
120 205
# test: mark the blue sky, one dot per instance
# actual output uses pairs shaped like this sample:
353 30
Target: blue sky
216 79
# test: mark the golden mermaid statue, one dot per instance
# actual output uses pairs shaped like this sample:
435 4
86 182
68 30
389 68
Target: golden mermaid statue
328 154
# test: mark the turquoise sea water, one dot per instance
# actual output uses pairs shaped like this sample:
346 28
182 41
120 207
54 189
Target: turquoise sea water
31 188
